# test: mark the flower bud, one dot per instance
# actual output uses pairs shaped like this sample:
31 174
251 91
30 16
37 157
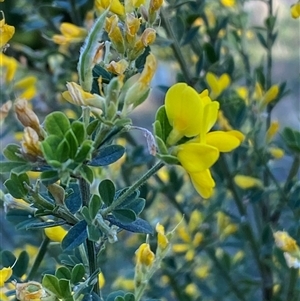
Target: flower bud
26 116
30 143
132 25
9 64
4 110
117 67
285 242
144 255
33 291
272 130
154 6
76 95
114 33
162 240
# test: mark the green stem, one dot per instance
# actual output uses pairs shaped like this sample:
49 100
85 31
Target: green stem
39 258
132 188
90 245
176 47
291 292
293 172
225 275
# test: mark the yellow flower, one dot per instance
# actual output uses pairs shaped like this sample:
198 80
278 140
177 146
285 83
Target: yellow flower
56 234
78 96
190 235
228 3
217 84
70 34
132 25
295 10
115 6
225 226
286 243
202 271
270 95
191 114
130 5
243 93
27 86
114 33
9 64
5 274
223 122
123 283
144 255
247 182
6 31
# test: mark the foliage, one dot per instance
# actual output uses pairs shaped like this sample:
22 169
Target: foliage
85 192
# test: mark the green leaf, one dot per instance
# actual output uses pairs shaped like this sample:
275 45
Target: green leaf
107 155
107 191
16 167
49 147
75 237
162 148
262 40
138 226
7 258
12 153
129 297
78 272
21 218
292 139
15 185
72 142
63 273
157 128
57 123
74 201
136 205
50 282
21 264
94 206
65 288
125 216
86 214
79 131
114 295
84 151
63 151
87 173
94 233
210 53
49 177
92 126
57 192
166 128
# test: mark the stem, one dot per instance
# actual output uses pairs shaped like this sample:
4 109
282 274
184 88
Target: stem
74 12
176 47
225 275
293 172
132 188
291 293
39 258
90 245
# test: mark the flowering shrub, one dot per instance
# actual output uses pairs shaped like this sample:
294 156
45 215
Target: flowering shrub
195 210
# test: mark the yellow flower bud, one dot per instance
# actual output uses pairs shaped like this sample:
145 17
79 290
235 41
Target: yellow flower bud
295 10
70 34
162 240
285 242
114 33
155 5
276 152
148 36
144 255
6 31
246 182
101 280
217 84
132 26
30 143
78 96
117 67
26 116
272 130
5 274
56 234
115 6
270 95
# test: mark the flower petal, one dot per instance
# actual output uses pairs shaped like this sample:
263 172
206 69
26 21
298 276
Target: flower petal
184 109
246 182
210 115
203 183
196 157
224 141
